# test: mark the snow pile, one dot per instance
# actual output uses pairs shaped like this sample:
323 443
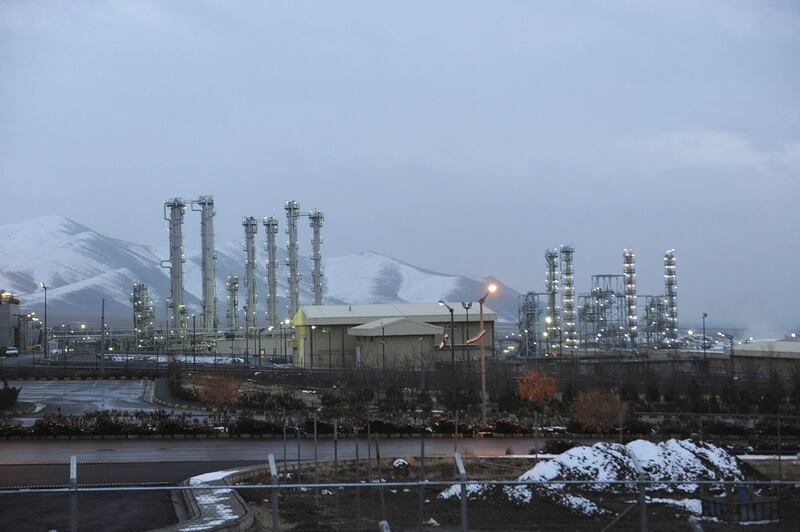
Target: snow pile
665 463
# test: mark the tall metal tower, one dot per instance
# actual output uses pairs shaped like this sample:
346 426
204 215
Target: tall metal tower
292 214
208 317
551 286
629 273
528 321
568 296
315 221
671 293
177 208
271 229
250 227
143 314
232 313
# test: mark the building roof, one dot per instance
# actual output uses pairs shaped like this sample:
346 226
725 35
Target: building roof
769 349
395 327
360 314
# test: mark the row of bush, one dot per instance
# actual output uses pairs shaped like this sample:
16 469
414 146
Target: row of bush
163 422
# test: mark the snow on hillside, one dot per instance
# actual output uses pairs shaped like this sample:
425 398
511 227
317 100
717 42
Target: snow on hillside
681 461
81 266
374 278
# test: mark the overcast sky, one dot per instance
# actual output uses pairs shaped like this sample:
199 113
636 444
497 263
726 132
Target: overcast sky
464 137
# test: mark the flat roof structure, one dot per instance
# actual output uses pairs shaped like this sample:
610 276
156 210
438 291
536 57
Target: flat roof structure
360 314
395 327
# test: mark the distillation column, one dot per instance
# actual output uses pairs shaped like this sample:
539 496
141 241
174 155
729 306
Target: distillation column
176 208
143 314
208 316
250 227
292 214
315 221
232 313
671 292
568 296
629 274
271 229
551 286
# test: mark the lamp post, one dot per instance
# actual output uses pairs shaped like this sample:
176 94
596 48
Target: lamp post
311 348
194 343
490 290
285 339
730 339
45 344
383 350
246 336
452 345
705 315
466 305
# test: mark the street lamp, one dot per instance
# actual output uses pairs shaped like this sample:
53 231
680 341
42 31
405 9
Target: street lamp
466 305
705 315
730 339
194 343
45 346
491 289
311 335
383 348
452 344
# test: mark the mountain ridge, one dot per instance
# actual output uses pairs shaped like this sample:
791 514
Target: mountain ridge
82 266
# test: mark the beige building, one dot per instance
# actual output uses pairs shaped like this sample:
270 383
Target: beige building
402 335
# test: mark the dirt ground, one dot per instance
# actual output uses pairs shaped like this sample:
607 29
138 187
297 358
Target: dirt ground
344 509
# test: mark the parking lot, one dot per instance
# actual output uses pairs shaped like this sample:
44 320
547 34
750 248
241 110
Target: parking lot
77 397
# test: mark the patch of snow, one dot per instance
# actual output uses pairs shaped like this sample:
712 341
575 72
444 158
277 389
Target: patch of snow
665 463
399 463
205 478
694 506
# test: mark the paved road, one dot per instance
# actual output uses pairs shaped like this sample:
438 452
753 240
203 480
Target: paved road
180 450
56 475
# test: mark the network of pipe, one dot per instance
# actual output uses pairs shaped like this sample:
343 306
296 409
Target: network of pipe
177 318
611 316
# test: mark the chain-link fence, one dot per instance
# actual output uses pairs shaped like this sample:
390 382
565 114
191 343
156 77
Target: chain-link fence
402 494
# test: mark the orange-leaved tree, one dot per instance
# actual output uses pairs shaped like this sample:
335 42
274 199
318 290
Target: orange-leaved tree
537 387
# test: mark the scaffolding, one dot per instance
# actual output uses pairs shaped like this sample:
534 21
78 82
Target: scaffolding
602 313
271 229
552 329
177 309
567 322
529 315
232 312
143 315
250 228
654 320
315 221
292 209
629 272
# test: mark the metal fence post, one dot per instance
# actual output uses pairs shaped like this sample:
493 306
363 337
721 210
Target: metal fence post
73 499
422 479
273 472
316 464
642 506
462 474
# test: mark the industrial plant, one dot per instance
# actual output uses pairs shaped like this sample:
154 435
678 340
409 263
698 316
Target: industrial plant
610 316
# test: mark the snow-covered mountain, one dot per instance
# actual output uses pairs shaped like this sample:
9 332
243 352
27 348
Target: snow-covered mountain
81 267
